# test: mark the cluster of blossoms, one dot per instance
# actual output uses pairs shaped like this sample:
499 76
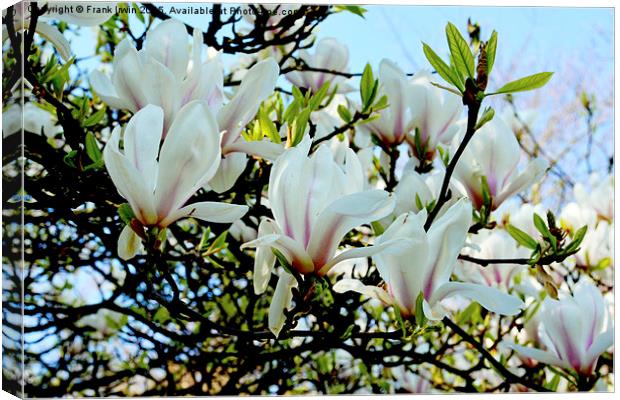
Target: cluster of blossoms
186 136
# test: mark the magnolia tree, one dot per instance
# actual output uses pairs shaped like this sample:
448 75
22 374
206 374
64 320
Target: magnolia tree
281 224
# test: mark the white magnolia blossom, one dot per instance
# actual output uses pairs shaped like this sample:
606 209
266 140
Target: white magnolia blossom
599 196
435 113
494 153
330 55
496 244
574 330
158 182
309 222
415 261
21 21
166 73
396 120
31 117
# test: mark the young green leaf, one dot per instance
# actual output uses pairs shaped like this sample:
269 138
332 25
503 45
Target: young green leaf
577 239
344 113
521 237
441 67
126 213
267 127
420 318
461 53
487 116
357 10
528 83
366 84
491 49
92 148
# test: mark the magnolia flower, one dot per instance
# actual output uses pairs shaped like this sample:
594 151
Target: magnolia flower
574 331
600 195
596 249
327 201
21 21
493 153
417 262
497 244
158 182
164 73
435 113
396 120
32 118
329 54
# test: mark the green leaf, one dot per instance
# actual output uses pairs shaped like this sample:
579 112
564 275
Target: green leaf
357 10
441 67
92 148
540 225
380 104
317 99
528 83
94 118
344 113
521 237
126 213
491 49
486 116
366 84
420 318
218 244
577 239
68 158
283 261
461 53
137 12
267 127
299 126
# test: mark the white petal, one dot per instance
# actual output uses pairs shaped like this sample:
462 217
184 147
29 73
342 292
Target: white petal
129 243
601 343
141 139
360 252
532 173
127 76
261 148
292 250
188 158
128 180
210 211
53 35
258 83
545 357
167 43
490 298
446 238
163 90
343 215
264 258
102 85
282 299
230 169
354 285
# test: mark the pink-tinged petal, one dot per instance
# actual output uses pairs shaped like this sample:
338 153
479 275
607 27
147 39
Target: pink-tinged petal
129 244
127 77
600 344
331 54
210 211
293 251
129 181
261 148
53 35
532 174
360 252
282 298
141 139
354 285
257 84
446 238
490 298
397 117
167 43
105 90
564 325
343 215
401 262
230 169
163 90
206 83
545 357
188 158
264 259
